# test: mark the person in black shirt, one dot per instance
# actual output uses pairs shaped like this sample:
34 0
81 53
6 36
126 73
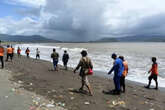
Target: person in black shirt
65 59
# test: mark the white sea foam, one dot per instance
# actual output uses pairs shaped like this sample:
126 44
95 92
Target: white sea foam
137 55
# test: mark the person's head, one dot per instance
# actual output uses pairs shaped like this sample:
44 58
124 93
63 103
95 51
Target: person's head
84 53
11 46
65 51
8 46
154 59
114 56
121 57
54 50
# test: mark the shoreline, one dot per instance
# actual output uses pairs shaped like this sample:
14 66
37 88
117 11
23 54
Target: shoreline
61 86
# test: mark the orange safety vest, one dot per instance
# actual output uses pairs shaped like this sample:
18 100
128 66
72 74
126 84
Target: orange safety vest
154 69
1 51
125 68
9 50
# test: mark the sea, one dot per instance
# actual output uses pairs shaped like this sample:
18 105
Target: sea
138 56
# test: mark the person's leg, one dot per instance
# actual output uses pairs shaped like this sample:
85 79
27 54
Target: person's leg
118 84
149 82
88 85
11 57
121 81
7 57
156 81
123 84
82 83
2 62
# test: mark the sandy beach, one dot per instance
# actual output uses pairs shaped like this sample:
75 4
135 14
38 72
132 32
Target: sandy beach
61 87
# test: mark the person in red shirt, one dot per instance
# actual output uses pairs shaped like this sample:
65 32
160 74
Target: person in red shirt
1 55
19 52
154 73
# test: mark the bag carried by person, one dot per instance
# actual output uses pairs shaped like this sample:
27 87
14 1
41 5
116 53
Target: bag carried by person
88 71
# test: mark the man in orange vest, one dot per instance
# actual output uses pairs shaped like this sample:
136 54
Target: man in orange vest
125 72
154 73
1 55
9 53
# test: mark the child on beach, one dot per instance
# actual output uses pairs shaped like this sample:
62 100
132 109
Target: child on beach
154 73
9 53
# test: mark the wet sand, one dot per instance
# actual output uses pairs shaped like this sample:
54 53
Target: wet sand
61 86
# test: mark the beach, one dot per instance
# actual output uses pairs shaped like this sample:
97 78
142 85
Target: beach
61 87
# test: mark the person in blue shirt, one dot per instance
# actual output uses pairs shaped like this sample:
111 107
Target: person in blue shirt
118 69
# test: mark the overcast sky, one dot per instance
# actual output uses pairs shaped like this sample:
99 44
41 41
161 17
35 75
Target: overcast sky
82 19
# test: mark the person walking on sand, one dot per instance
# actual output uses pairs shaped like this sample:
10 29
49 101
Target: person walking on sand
9 53
125 72
118 69
65 59
1 55
55 57
37 54
19 52
85 63
154 73
27 52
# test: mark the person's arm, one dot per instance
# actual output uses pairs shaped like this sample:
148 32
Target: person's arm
113 68
150 69
90 64
78 66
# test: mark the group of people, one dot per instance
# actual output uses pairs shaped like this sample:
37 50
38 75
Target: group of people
120 67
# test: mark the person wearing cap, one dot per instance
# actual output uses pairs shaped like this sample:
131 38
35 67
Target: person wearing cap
118 69
84 64
1 55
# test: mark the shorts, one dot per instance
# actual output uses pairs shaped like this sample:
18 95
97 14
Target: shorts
85 80
153 76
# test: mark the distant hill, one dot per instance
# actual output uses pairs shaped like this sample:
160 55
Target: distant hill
21 38
139 38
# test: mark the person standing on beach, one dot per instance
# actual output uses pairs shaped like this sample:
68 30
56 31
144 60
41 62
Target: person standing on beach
118 69
55 57
65 59
125 72
84 63
12 51
37 54
19 52
27 52
154 73
1 55
9 53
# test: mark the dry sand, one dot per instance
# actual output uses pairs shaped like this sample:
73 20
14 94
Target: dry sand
37 77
